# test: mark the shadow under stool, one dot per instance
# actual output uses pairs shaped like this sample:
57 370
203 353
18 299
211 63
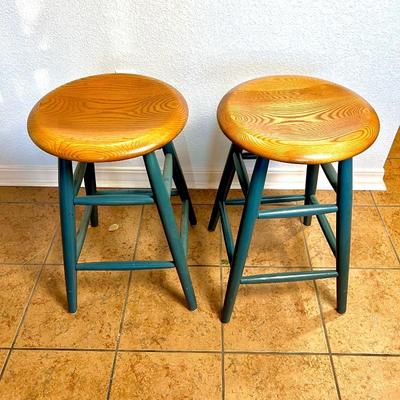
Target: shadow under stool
292 119
114 117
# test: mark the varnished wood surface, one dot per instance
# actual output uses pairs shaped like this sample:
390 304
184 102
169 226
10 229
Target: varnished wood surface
298 119
107 118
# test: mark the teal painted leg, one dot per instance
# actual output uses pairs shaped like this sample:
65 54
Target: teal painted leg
343 231
241 171
223 188
68 230
90 187
311 187
249 216
171 231
180 182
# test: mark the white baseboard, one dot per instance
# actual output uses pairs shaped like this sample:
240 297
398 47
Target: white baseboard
117 176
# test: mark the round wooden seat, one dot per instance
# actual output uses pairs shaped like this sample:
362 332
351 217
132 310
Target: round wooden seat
107 118
298 119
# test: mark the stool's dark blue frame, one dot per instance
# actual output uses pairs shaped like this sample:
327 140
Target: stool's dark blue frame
253 192
160 192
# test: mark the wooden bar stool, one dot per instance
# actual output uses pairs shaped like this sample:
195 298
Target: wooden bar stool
108 118
293 119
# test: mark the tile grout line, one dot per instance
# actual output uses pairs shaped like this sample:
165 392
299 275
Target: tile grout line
309 353
321 314
44 203
28 302
327 342
233 352
123 312
387 205
116 350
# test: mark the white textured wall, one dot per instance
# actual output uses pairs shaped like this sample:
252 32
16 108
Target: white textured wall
203 48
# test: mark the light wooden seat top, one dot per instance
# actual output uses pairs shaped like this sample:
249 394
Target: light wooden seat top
107 118
298 119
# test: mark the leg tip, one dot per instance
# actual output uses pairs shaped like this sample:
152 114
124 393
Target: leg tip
72 308
211 227
341 310
225 318
307 221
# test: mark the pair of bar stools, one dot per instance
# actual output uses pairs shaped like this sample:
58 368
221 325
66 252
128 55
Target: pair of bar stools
294 119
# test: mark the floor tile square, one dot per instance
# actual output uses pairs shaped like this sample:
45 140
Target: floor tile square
363 378
26 232
360 197
167 376
101 244
237 193
203 248
56 375
371 323
198 196
395 149
391 217
275 317
369 247
3 356
25 194
275 242
16 284
392 178
157 317
95 324
283 377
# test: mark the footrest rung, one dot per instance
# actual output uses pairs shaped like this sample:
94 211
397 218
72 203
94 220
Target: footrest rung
123 265
140 192
297 211
112 200
248 156
288 277
268 199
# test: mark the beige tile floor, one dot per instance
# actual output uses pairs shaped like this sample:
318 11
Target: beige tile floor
133 338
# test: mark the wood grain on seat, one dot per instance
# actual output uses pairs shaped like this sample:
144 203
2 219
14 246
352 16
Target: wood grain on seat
298 119
107 118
